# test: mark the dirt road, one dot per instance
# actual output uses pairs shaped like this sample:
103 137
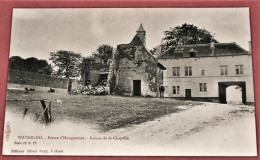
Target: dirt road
209 129
204 130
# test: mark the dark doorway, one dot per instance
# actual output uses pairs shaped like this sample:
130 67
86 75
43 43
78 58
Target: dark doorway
222 90
188 94
137 87
102 79
192 54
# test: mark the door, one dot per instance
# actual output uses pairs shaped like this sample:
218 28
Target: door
137 87
187 93
222 93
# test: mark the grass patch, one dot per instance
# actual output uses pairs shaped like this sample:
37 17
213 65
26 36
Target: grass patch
109 112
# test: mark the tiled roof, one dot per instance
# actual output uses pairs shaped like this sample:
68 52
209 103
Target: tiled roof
203 50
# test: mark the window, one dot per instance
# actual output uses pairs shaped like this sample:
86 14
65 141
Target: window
188 71
179 50
192 54
224 70
203 87
203 72
239 69
176 71
176 89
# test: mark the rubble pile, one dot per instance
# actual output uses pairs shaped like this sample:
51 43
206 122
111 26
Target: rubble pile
89 90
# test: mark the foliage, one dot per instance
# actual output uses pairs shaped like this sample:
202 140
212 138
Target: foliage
186 34
68 63
152 51
31 64
104 52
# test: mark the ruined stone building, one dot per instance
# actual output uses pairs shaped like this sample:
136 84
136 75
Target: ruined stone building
137 72
132 69
96 71
206 72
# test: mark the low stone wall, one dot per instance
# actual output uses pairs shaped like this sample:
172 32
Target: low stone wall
37 88
28 78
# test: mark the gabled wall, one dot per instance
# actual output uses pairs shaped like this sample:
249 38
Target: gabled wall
134 62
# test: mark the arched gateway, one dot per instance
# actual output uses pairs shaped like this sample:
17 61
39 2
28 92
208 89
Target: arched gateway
222 90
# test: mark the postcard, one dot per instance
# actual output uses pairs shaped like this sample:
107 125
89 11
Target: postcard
130 82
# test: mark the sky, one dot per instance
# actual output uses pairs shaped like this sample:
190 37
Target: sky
37 32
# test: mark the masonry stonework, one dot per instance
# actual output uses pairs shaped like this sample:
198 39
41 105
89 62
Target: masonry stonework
133 62
34 79
132 69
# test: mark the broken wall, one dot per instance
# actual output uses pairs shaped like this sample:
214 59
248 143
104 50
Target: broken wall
93 77
92 71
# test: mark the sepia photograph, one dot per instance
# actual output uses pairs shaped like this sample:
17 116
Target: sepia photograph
130 82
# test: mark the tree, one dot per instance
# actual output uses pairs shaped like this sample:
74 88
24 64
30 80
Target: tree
47 70
67 63
186 34
104 52
31 64
16 63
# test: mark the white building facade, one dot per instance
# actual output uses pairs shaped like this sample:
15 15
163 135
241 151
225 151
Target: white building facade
204 72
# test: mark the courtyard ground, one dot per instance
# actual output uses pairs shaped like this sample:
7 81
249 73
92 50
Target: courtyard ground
108 112
153 126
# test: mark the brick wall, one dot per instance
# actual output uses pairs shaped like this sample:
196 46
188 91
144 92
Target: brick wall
22 77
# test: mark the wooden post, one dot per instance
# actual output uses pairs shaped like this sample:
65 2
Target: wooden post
25 112
49 109
46 114
46 109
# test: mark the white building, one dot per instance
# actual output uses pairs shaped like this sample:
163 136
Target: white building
205 72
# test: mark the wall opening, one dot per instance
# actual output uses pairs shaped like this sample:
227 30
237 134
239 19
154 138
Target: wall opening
137 87
192 54
234 94
102 80
224 88
187 94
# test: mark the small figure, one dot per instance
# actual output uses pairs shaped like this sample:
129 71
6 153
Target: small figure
31 89
26 90
51 90
58 102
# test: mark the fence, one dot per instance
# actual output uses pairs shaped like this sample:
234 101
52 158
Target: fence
34 79
45 115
